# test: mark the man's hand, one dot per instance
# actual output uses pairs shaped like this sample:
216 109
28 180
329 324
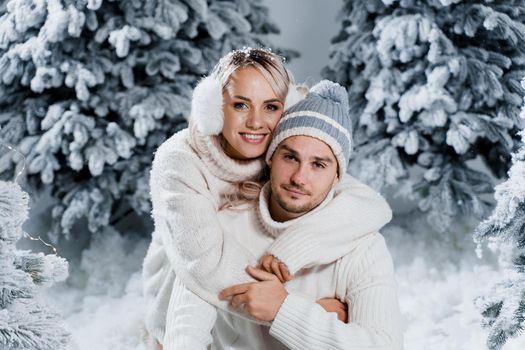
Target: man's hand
271 264
334 305
262 300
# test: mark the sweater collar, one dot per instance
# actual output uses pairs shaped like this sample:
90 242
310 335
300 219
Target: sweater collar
275 228
219 163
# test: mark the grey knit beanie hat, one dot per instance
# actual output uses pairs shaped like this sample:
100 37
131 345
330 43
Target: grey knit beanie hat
323 114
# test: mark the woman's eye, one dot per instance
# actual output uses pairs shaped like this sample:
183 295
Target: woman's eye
272 108
239 105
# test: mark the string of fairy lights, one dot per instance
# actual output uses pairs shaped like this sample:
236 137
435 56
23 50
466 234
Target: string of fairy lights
17 176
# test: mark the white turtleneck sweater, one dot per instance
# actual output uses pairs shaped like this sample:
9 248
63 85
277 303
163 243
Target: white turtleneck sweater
363 278
190 176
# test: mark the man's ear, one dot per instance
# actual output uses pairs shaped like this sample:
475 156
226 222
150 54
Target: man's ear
336 179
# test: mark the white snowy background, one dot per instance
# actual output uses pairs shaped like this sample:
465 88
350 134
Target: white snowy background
438 282
439 277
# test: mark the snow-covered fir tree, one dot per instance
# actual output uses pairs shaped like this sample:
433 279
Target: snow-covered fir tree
434 86
90 88
25 320
503 308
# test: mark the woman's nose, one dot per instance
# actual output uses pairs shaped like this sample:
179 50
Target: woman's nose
254 120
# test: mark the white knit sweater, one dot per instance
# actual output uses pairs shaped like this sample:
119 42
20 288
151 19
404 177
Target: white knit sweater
190 176
364 278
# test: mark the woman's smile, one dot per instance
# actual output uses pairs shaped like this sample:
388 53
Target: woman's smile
253 138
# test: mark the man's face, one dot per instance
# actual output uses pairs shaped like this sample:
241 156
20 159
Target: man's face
303 171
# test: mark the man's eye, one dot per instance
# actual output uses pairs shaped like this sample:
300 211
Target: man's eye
319 165
289 157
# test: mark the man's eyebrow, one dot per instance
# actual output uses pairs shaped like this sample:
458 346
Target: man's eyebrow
316 159
323 159
289 149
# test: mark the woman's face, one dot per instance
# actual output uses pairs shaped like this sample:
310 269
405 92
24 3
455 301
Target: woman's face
251 112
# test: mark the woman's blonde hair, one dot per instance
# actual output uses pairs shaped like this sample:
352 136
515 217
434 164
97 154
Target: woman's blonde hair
269 64
247 191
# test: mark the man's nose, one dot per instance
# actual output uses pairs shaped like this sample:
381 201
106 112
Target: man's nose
300 175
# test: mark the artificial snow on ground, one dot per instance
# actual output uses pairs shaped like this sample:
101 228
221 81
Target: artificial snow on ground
439 277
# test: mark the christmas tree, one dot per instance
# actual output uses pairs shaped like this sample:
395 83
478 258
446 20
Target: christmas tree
434 87
504 307
90 88
25 321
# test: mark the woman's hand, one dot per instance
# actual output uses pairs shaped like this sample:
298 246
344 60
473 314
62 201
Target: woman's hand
262 300
335 305
271 264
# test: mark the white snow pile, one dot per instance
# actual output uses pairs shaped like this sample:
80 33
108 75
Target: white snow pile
106 310
438 278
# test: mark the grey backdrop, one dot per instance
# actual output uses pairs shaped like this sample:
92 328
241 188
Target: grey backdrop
306 26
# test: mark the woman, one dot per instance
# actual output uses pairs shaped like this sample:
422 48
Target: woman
198 170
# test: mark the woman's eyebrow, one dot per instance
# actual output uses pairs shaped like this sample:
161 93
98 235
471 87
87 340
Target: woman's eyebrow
242 98
248 100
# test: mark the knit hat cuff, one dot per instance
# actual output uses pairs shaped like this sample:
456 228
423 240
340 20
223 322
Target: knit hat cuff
315 133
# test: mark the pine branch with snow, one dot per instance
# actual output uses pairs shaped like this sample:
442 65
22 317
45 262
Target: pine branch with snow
434 86
508 218
90 88
503 311
26 322
503 308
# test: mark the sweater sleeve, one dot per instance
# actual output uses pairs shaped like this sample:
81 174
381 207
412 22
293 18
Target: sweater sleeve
189 320
374 321
355 210
185 215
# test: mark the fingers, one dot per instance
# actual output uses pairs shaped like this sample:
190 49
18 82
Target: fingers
342 315
276 270
233 290
331 304
265 262
335 305
324 303
273 265
239 299
259 274
285 272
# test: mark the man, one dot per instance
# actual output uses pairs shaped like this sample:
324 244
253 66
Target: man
308 157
